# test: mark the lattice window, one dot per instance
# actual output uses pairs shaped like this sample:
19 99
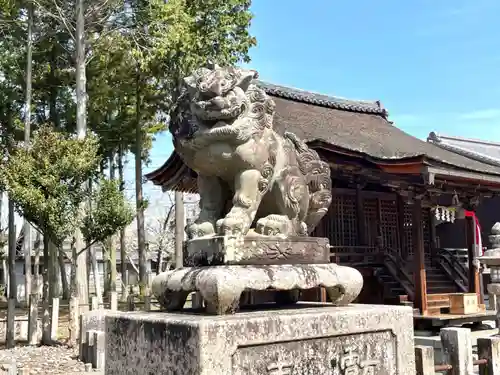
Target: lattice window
340 224
389 223
371 224
408 229
425 228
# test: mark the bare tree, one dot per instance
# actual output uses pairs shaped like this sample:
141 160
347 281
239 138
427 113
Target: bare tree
160 234
159 222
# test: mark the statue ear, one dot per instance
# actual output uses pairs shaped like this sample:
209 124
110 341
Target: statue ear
245 78
211 65
190 81
190 84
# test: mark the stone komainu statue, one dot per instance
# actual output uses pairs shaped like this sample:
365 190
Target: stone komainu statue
248 175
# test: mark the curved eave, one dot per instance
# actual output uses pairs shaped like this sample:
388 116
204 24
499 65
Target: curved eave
156 175
175 175
420 164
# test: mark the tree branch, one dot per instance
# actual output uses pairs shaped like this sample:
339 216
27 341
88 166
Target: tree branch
86 247
59 17
132 264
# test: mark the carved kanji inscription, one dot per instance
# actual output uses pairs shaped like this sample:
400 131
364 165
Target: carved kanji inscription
371 353
354 361
280 368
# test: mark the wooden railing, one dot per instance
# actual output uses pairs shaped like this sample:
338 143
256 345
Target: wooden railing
454 268
397 268
372 255
458 354
354 254
458 256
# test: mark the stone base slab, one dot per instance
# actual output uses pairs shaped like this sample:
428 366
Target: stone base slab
308 339
222 286
255 250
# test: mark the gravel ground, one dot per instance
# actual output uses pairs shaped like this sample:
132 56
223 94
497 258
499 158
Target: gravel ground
44 360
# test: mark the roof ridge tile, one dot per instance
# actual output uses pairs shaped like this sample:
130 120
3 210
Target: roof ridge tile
362 106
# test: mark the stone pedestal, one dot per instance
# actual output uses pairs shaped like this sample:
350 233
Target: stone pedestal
222 286
256 250
223 267
308 339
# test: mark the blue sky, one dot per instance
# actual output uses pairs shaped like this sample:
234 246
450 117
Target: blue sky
434 64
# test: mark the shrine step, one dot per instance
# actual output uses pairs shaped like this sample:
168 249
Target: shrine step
440 289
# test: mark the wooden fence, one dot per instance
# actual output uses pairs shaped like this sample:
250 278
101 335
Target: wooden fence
458 355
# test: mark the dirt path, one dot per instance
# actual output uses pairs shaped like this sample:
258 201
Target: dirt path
44 359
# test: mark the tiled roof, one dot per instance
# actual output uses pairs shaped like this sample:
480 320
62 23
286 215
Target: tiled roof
362 106
354 125
483 151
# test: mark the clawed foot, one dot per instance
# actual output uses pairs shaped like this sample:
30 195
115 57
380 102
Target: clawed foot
336 294
274 225
200 229
173 301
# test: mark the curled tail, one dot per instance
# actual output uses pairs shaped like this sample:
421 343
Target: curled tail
317 175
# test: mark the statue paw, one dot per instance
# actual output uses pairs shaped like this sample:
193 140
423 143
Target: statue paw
200 229
274 225
232 225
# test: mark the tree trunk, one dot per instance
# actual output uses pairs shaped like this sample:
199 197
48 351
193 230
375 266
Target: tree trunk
36 266
53 89
73 287
64 275
105 267
1 209
46 291
95 273
123 254
27 131
27 261
141 235
11 306
53 266
3 275
81 279
4 280
93 262
159 261
11 260
111 247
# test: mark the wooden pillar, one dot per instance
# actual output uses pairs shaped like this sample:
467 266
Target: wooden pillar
419 258
179 229
474 284
433 243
